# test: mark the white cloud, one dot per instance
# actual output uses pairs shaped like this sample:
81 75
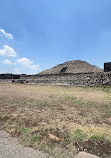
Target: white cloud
24 61
8 51
7 35
8 62
27 63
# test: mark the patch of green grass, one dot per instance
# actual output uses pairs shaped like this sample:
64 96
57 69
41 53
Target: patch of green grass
34 138
28 138
8 124
105 89
3 116
77 136
24 130
71 148
100 137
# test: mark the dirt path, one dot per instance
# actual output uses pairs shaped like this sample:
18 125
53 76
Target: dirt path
9 148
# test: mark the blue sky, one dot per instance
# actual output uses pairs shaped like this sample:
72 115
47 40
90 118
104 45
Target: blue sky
39 34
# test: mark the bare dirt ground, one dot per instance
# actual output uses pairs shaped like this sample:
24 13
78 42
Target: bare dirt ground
56 119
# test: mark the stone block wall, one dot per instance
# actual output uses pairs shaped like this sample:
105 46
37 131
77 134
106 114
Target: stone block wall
6 76
77 79
9 76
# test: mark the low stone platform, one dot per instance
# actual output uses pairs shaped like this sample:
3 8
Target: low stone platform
77 79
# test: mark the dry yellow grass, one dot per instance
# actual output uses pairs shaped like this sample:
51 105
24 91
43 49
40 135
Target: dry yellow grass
43 92
56 110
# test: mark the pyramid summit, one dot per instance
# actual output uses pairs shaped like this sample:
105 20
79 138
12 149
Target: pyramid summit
74 66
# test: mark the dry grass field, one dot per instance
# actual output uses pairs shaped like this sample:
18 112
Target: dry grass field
60 120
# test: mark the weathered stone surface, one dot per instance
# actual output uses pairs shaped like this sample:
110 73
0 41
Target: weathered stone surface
9 76
77 79
6 76
53 138
86 155
107 67
75 66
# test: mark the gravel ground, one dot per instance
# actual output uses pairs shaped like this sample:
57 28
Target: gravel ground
10 148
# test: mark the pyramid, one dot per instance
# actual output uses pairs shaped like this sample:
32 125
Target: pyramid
75 66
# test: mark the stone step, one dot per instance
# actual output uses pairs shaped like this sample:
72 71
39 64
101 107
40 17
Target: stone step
85 155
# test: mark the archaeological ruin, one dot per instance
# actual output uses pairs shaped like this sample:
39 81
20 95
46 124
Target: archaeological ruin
9 76
73 73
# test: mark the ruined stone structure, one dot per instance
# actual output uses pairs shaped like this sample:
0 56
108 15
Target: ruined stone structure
75 66
107 67
78 79
9 76
74 73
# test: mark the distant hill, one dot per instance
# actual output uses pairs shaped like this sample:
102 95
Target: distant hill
75 66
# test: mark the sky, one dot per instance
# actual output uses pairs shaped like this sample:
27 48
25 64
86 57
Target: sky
38 34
